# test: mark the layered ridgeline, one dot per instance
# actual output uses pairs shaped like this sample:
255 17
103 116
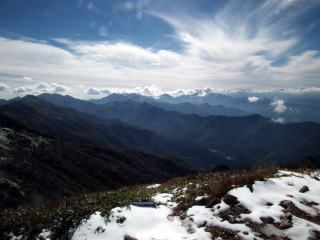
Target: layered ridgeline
35 167
166 102
79 127
251 205
250 139
298 107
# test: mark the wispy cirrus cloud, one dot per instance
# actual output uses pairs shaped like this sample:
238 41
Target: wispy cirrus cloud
239 46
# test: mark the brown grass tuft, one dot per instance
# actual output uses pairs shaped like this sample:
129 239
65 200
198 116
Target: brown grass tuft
244 177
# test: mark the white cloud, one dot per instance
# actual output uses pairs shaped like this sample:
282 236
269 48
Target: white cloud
41 88
138 6
278 120
103 31
219 51
22 90
3 87
278 106
153 91
129 5
302 90
93 91
253 99
28 79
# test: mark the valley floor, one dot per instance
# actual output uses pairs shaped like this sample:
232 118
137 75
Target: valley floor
280 205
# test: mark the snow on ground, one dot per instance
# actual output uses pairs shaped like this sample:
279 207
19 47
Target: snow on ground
274 191
266 196
162 198
154 185
143 223
156 223
202 215
44 235
198 198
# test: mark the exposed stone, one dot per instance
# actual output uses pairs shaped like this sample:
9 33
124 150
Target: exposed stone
304 189
121 220
183 216
231 200
212 202
286 222
286 204
99 229
202 201
269 220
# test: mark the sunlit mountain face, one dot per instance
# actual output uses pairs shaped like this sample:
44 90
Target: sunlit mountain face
89 48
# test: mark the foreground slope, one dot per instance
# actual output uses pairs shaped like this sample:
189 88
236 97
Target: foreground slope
256 204
34 168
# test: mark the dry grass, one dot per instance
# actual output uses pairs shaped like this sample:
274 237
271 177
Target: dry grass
216 185
64 214
245 177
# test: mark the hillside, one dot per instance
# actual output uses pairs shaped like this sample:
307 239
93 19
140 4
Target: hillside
35 168
69 125
255 204
252 139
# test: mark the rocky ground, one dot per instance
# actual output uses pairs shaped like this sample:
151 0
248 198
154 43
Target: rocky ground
284 205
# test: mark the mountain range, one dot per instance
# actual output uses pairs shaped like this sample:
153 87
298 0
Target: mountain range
54 146
250 138
70 125
296 107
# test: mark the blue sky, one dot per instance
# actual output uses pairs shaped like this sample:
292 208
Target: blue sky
84 47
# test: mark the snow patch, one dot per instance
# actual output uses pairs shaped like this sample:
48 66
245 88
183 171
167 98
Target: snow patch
138 222
162 198
154 185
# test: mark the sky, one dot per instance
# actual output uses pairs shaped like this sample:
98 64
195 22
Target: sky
87 48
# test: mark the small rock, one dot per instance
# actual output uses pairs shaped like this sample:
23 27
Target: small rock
212 202
304 189
231 200
286 204
99 229
202 201
269 220
312 203
289 195
121 219
245 233
183 216
269 204
286 222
